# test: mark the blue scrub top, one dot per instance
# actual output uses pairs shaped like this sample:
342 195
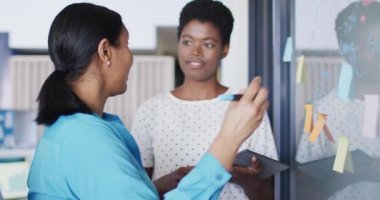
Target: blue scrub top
84 156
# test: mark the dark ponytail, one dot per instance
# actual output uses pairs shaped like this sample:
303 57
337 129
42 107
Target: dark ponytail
56 98
73 40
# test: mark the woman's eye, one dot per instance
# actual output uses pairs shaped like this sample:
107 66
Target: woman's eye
186 42
209 45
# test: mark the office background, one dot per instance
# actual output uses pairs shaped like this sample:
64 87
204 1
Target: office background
262 32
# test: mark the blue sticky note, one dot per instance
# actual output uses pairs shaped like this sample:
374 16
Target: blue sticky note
287 56
345 81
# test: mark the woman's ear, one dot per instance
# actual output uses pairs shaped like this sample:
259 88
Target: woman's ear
225 50
104 52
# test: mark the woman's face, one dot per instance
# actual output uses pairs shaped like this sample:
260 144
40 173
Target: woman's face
368 50
121 62
200 50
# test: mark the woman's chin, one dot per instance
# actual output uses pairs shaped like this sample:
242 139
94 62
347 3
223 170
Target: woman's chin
121 91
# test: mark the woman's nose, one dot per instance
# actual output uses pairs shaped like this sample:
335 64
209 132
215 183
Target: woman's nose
196 50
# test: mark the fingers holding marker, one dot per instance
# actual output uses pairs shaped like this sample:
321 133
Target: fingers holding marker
252 90
258 97
261 101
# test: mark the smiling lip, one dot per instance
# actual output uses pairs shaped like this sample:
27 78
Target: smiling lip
195 64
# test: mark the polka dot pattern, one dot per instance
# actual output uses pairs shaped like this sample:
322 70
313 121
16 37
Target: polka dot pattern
172 133
343 119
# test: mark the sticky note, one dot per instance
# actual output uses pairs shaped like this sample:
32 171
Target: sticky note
328 133
301 76
371 107
348 166
367 2
308 126
363 19
345 80
321 119
287 56
343 160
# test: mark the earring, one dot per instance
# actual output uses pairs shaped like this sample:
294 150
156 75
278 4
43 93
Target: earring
108 63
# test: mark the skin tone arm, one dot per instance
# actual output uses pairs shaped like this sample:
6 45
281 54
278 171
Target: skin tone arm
254 104
243 117
246 177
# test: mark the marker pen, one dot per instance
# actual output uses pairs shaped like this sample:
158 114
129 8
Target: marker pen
230 97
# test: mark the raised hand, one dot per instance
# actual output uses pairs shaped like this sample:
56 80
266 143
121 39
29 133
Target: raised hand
241 119
244 116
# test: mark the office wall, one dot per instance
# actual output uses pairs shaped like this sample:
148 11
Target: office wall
234 71
317 18
28 27
28 21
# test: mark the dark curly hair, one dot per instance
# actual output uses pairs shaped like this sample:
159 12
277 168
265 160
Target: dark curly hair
208 11
350 23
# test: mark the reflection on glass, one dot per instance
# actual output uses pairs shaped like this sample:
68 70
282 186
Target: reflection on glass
349 136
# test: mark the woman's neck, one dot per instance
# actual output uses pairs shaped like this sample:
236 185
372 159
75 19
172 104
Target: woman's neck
197 90
89 91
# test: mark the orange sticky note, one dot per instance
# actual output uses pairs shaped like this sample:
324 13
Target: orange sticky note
301 69
308 118
343 160
321 119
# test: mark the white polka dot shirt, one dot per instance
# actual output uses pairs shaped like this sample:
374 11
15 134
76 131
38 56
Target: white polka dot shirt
343 119
172 133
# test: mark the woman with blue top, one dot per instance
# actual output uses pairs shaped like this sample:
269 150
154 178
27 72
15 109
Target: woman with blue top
85 153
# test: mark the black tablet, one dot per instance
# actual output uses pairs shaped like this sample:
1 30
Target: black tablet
269 165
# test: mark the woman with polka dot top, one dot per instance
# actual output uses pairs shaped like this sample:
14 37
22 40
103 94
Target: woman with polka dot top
175 128
357 29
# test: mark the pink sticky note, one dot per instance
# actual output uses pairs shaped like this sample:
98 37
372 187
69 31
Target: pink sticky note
367 2
362 19
371 107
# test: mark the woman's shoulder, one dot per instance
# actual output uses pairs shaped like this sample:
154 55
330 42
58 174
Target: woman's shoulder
155 101
81 120
76 126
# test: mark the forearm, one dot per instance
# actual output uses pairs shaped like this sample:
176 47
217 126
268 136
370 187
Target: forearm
224 149
205 181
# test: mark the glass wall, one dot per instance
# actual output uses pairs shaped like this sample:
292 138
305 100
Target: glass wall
337 123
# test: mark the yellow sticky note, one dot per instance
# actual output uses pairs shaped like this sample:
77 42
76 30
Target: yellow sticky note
321 119
343 161
301 69
308 126
348 167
